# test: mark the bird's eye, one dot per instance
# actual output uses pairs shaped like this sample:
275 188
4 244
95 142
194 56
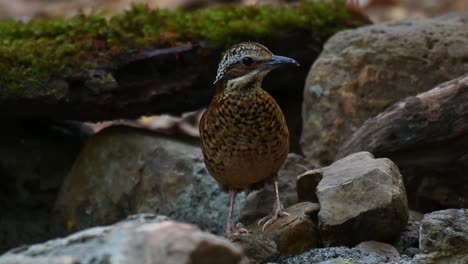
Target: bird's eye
247 61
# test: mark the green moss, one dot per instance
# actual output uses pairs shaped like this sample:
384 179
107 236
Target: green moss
32 54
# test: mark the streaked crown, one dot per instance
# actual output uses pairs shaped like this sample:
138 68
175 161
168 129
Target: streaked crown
242 58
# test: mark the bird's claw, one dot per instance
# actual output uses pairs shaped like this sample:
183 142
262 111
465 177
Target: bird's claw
238 229
271 218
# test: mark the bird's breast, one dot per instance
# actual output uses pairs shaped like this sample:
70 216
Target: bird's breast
244 139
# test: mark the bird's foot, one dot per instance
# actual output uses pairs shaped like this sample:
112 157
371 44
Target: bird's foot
236 230
271 218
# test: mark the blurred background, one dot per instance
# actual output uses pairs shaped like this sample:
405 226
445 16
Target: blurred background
377 10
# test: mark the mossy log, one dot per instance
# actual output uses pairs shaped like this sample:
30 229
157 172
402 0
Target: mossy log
149 61
427 137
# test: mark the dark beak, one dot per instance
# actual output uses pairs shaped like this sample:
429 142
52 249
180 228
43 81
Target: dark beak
280 60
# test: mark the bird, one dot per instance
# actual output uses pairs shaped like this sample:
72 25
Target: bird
243 133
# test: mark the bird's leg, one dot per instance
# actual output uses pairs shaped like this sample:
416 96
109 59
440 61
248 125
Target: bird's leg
231 228
230 224
278 209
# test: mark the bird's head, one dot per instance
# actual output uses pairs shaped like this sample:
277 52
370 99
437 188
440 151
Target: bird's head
244 66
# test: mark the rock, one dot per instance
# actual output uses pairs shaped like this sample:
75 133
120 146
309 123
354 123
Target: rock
257 249
260 203
19 259
427 137
307 184
35 157
124 170
139 239
363 71
408 241
379 248
297 232
444 237
361 198
290 235
335 255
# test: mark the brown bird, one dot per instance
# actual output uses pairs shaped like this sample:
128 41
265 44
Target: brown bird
244 137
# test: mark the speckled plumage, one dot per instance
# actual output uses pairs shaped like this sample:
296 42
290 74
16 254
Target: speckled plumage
244 137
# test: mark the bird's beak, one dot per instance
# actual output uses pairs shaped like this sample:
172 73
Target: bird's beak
280 60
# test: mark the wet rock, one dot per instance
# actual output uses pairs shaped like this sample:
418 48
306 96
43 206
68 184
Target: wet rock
260 203
139 239
307 184
124 170
363 71
444 237
361 198
290 235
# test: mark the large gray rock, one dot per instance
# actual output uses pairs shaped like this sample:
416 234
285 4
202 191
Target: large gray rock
444 237
139 239
361 198
363 71
259 203
123 170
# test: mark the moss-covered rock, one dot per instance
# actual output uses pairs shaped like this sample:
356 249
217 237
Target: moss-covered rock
32 54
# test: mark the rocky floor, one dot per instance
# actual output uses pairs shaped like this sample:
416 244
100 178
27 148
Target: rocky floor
359 213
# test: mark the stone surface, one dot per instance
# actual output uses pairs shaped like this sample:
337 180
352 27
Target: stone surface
361 198
139 239
125 170
297 232
259 203
307 184
338 255
363 71
257 249
427 137
35 157
408 241
19 259
444 237
289 235
379 248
